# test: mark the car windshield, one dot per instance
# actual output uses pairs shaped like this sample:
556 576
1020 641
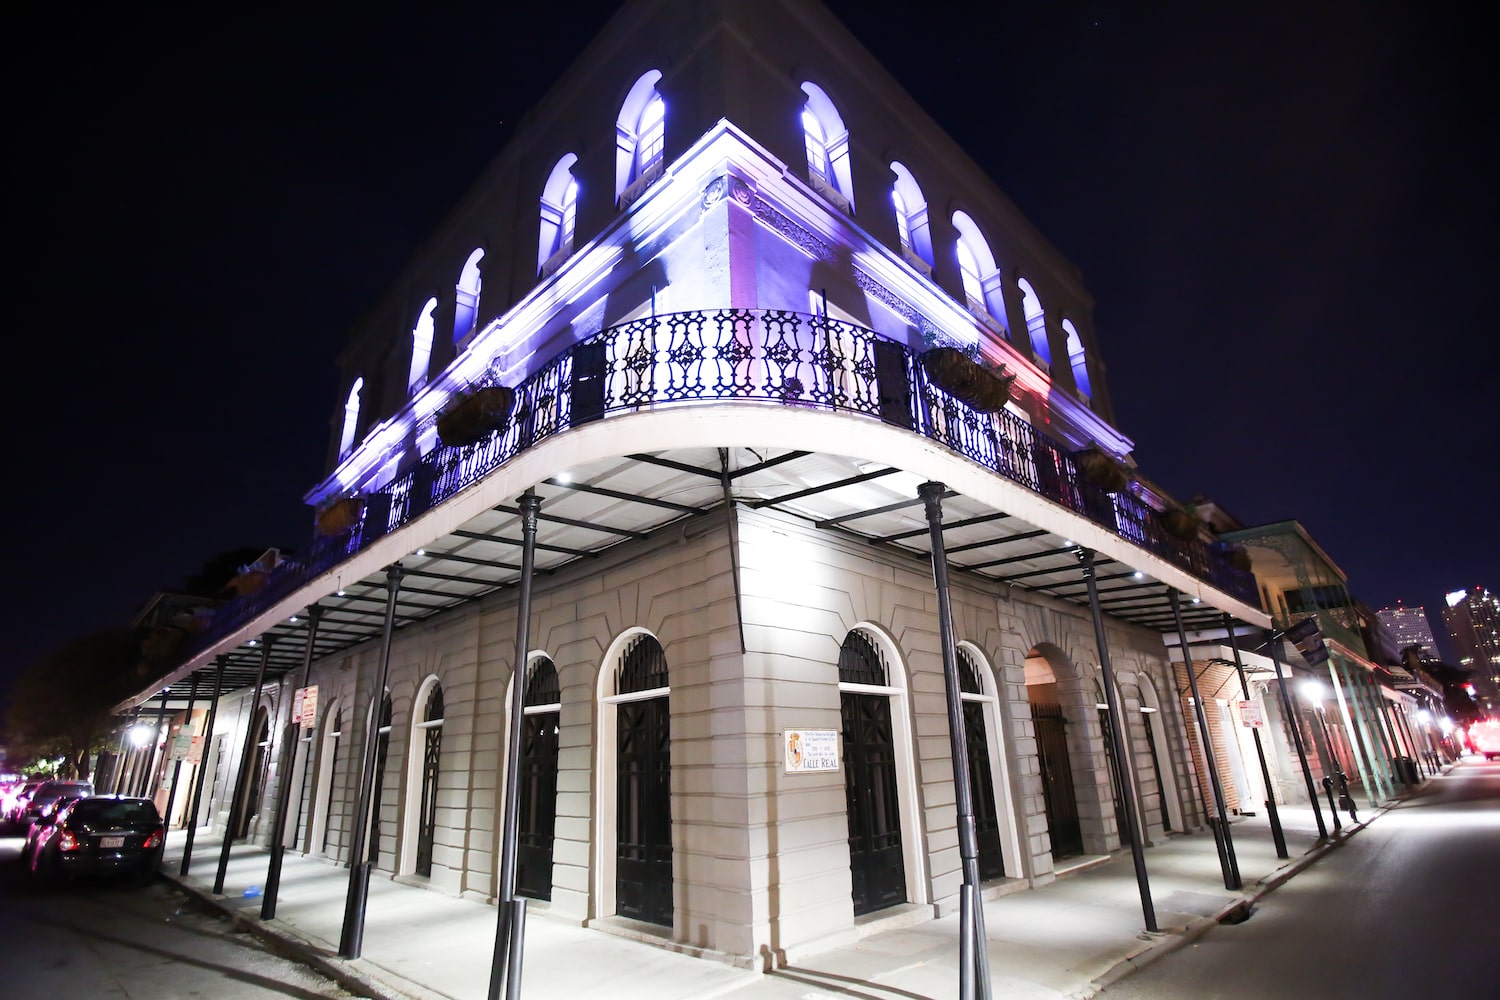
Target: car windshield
114 812
66 790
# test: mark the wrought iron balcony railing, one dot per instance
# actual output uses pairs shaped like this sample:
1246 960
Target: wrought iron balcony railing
770 356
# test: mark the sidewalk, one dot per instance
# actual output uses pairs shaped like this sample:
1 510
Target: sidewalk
1065 939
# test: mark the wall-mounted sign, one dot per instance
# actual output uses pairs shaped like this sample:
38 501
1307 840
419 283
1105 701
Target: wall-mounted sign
811 750
1250 715
182 745
195 751
305 707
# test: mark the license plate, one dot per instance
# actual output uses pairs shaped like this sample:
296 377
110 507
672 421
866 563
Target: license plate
112 842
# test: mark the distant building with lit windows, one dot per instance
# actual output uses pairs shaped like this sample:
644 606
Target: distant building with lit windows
1409 627
1473 620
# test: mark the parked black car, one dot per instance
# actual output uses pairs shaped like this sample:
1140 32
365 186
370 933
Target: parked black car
101 835
46 817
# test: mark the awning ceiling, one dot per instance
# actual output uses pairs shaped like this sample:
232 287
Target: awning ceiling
607 503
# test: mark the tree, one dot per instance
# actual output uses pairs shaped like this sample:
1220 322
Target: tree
60 706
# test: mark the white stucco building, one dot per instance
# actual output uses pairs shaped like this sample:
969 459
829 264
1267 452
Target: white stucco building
713 266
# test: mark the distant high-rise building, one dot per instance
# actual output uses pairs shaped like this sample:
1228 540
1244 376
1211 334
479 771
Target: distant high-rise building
1409 627
1473 620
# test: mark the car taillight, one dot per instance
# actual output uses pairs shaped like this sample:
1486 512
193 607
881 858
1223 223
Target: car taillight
66 841
154 840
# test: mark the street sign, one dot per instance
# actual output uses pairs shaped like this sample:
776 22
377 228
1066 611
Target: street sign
1250 715
811 750
182 744
305 707
195 751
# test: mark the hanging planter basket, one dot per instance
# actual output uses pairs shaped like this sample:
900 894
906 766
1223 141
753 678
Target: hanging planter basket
249 582
1238 557
474 415
1180 524
340 516
1100 469
965 379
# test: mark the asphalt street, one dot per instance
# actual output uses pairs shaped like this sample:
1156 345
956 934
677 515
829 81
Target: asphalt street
104 939
1407 908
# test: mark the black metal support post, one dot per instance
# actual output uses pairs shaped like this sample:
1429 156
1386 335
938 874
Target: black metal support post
1230 863
284 774
187 720
510 930
1127 776
1273 644
1277 836
148 773
208 735
974 964
238 805
352 936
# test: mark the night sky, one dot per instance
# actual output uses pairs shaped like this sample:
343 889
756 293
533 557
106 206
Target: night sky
1284 213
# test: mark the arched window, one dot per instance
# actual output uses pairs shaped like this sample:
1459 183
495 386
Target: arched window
1077 359
421 347
827 143
432 747
640 139
382 752
537 825
559 210
977 703
643 768
911 219
351 418
1036 323
466 294
979 274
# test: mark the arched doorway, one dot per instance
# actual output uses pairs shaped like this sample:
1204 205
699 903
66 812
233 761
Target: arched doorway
871 783
382 750
430 729
538 776
643 771
981 779
255 780
328 788
1116 776
1058 797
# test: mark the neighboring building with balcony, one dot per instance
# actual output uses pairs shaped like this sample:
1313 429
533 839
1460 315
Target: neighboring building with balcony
743 299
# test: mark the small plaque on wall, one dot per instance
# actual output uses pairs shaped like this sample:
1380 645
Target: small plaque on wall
811 750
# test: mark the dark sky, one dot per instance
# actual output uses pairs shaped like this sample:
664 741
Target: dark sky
1283 211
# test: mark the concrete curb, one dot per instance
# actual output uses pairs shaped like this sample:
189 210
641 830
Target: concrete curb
1171 942
288 944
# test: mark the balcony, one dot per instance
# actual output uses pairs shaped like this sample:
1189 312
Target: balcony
769 357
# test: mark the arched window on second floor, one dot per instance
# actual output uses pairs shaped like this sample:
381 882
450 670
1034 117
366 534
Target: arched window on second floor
559 210
1036 323
351 418
827 142
1077 360
466 292
911 219
980 275
421 347
640 139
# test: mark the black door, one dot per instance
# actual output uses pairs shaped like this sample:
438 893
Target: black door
643 800
382 749
1057 781
1161 788
431 755
1115 777
538 791
876 865
260 763
981 781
